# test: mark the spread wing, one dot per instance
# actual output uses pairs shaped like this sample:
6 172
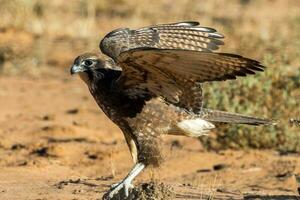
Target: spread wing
182 35
176 74
172 61
193 65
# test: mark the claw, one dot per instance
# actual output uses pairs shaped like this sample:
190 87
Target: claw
125 185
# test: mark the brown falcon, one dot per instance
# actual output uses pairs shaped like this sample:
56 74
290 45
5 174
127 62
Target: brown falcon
151 85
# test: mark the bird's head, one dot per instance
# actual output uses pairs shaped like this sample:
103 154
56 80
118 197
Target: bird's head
88 66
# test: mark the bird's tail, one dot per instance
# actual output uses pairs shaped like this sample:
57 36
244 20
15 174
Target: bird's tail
226 117
200 126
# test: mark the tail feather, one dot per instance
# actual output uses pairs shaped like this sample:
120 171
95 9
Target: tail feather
226 117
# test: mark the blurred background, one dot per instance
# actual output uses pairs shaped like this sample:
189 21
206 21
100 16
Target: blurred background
50 123
38 38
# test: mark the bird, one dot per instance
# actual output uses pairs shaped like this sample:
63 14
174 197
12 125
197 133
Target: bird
150 84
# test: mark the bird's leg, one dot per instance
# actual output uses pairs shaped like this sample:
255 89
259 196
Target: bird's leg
126 182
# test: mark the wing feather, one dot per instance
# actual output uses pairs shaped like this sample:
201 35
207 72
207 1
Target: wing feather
182 35
196 66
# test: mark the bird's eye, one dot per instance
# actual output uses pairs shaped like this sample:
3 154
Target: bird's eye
87 62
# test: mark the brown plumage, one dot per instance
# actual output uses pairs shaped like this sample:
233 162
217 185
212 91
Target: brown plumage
151 85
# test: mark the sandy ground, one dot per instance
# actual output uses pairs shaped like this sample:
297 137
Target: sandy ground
56 144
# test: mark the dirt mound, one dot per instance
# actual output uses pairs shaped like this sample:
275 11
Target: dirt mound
146 191
153 191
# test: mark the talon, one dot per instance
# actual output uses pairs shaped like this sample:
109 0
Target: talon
118 186
127 186
126 183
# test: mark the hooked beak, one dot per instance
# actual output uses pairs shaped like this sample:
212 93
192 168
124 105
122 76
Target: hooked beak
77 68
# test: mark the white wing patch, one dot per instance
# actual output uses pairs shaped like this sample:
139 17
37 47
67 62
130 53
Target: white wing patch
195 127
